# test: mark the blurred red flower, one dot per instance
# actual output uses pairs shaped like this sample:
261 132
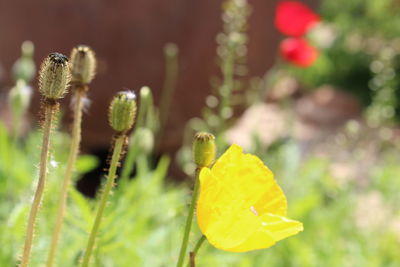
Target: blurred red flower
298 51
293 18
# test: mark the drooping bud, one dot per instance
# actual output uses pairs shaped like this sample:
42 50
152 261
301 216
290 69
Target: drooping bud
122 111
171 50
24 68
83 64
19 97
204 149
144 139
54 76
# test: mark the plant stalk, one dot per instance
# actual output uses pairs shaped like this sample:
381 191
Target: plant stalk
171 75
119 142
189 220
49 114
133 150
73 154
192 262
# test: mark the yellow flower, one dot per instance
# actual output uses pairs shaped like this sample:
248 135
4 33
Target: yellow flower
240 205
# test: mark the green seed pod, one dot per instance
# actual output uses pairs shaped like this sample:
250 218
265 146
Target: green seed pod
204 149
83 64
54 76
122 111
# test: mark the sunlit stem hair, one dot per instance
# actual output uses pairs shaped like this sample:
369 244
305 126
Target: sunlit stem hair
204 150
122 113
83 66
54 79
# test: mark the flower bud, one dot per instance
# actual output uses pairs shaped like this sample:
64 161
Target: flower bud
19 97
54 76
204 149
83 64
24 68
144 139
122 111
171 50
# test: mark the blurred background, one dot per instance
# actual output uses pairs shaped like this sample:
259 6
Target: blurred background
311 87
129 38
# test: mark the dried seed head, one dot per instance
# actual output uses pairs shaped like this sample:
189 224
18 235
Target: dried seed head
54 76
122 111
204 149
83 64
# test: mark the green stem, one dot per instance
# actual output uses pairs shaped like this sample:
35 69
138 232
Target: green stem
171 75
73 154
104 197
226 88
193 254
44 157
189 219
129 161
133 150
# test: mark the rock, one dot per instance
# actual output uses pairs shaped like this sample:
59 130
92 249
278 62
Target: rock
327 107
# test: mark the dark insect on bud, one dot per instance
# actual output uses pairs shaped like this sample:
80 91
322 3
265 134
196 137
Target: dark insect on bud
54 76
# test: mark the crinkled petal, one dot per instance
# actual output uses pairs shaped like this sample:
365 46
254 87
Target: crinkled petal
232 230
240 205
250 180
271 228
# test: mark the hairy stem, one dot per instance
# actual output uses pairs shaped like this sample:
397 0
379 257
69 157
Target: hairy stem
104 197
73 154
189 219
130 160
49 114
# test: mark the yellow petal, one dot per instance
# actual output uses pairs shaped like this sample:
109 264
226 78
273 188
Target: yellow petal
272 228
240 205
232 231
252 181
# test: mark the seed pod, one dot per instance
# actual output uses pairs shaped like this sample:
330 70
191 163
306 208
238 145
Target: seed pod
122 111
54 76
204 149
83 64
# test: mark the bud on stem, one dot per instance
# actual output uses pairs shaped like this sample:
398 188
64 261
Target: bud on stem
204 149
83 64
54 76
122 111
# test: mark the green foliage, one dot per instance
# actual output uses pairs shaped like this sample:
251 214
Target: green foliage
365 35
145 216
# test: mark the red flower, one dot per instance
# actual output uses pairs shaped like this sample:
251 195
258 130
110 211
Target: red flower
293 18
298 51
